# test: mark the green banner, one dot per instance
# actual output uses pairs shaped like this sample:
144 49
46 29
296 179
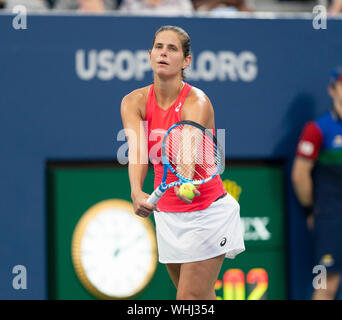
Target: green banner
257 273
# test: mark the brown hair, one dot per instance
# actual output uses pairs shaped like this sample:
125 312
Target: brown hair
184 37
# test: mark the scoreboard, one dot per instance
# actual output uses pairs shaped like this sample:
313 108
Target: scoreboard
260 271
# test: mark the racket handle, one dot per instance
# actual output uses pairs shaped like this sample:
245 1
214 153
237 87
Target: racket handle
155 196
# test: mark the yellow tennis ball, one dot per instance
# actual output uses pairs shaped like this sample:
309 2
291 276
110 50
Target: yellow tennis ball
187 190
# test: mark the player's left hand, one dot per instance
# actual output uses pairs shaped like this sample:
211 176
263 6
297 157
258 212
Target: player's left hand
184 198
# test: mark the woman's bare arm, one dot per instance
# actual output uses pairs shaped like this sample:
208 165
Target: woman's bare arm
138 151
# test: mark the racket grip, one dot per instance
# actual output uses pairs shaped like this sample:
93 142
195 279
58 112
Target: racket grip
155 196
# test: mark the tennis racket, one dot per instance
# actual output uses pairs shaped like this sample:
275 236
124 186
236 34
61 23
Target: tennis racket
192 153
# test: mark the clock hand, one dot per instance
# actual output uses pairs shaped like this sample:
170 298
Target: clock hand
118 250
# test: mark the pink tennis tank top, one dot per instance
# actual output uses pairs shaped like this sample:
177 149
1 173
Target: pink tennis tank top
158 122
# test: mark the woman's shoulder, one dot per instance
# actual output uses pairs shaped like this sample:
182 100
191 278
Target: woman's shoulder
198 97
136 101
137 96
197 107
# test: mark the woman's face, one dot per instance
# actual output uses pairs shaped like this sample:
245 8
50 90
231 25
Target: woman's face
167 56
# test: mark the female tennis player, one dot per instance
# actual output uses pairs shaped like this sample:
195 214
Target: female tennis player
193 236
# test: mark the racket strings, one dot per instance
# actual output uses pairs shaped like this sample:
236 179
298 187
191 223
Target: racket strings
192 153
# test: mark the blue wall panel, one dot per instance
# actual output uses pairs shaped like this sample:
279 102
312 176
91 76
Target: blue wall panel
272 79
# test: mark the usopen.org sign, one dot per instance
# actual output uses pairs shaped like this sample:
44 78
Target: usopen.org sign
128 65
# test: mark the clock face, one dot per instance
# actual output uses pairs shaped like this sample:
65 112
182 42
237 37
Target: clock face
114 251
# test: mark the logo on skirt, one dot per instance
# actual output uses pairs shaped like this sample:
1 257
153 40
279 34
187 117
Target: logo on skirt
223 242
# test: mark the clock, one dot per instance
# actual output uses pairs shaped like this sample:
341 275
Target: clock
114 252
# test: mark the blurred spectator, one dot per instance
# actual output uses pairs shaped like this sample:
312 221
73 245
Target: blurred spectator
317 181
2 4
90 6
156 7
30 5
335 7
221 5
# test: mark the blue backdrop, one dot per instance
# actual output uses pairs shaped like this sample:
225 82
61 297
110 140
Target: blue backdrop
62 80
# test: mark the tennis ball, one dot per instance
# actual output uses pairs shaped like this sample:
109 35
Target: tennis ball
187 190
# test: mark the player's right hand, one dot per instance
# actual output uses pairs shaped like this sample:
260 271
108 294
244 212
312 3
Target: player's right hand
141 207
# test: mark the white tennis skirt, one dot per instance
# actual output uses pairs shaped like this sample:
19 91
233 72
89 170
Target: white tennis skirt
199 235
